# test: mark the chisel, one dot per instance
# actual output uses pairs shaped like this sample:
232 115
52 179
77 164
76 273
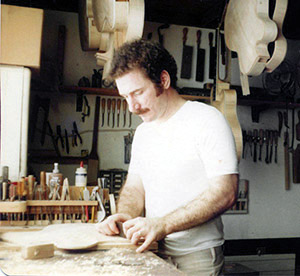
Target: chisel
108 110
200 59
261 141
212 57
113 110
118 111
103 102
124 112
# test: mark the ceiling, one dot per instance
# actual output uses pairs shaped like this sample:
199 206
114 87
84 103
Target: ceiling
197 13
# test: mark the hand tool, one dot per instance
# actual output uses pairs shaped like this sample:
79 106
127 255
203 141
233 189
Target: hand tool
244 134
271 145
280 121
103 102
113 110
286 160
276 144
124 112
130 119
118 111
59 136
261 141
187 57
30 186
92 198
212 57
86 197
65 195
255 140
267 140
160 36
53 139
76 133
67 142
93 159
108 110
200 59
298 127
86 109
223 48
250 140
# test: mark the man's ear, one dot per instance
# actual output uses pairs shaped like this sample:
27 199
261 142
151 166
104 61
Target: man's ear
165 79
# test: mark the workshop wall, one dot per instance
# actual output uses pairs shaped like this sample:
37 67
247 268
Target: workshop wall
273 211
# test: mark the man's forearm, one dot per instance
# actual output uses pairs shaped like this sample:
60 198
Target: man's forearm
130 202
209 204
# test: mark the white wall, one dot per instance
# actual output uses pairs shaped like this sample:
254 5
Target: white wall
273 211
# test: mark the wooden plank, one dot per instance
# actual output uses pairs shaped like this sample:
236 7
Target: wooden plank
31 203
13 207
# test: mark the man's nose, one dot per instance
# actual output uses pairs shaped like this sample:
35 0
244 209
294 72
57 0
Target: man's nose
133 105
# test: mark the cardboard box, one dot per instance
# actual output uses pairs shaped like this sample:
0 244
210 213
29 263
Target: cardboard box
21 36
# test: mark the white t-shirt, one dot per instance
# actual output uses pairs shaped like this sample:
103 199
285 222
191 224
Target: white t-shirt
175 160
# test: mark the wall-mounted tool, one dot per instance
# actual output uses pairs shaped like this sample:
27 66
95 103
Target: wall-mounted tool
108 110
244 134
276 144
118 111
250 140
53 139
59 136
271 145
212 57
113 110
130 119
255 140
187 57
86 109
103 103
124 112
261 141
280 122
267 140
200 59
93 159
286 160
160 36
67 142
76 134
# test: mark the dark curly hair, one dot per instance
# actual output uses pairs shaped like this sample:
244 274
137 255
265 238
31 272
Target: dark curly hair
148 56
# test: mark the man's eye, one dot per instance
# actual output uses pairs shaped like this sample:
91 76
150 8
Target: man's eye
137 93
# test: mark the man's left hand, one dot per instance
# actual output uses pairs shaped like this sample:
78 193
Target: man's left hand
147 229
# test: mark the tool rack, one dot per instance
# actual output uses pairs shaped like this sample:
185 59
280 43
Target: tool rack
45 212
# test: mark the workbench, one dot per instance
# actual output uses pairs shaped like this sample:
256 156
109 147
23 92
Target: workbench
95 261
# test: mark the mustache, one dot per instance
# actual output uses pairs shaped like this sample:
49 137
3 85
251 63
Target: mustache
141 111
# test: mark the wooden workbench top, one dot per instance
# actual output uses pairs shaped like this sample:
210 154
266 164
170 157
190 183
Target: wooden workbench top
116 261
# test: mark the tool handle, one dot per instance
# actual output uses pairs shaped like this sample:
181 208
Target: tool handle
210 39
198 37
108 105
103 102
113 105
185 32
261 136
124 106
93 152
286 161
118 105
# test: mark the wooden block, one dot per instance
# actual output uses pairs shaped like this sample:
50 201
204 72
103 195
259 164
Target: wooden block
21 36
13 207
40 251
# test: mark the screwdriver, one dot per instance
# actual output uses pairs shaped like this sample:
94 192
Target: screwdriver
276 143
255 139
118 111
271 146
103 102
113 105
267 136
108 110
261 141
124 111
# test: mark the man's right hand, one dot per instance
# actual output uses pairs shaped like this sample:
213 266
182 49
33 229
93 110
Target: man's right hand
109 227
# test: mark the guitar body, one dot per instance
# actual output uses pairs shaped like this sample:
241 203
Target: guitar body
106 24
226 102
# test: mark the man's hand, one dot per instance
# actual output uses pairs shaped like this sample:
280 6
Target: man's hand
109 227
147 229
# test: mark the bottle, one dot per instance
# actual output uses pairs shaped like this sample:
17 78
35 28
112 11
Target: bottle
55 177
81 176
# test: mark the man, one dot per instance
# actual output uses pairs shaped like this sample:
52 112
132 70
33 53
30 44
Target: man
183 169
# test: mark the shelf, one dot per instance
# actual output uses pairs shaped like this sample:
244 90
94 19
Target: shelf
113 92
58 159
